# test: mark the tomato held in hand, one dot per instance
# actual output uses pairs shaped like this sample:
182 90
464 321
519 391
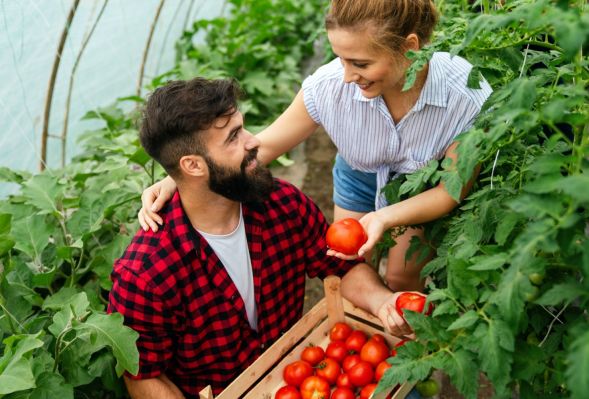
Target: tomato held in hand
288 392
313 355
346 236
412 301
315 387
374 352
343 393
295 372
340 331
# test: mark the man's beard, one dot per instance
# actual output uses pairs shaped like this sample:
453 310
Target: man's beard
238 184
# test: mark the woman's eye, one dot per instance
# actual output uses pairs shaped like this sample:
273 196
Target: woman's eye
360 65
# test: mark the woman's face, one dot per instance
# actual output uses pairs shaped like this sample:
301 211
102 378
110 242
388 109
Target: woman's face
374 71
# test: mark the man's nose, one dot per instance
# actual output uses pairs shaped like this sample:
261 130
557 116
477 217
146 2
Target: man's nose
251 142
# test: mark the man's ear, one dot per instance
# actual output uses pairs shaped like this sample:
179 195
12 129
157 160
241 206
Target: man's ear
411 42
193 165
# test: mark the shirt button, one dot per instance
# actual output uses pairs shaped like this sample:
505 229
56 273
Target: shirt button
233 297
263 346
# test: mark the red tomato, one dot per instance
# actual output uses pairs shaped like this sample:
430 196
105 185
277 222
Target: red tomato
367 391
337 351
412 301
346 236
340 331
398 344
380 370
374 352
315 387
288 392
343 393
350 361
379 338
329 369
295 372
313 355
361 374
343 381
356 340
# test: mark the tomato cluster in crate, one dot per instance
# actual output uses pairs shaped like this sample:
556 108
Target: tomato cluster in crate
349 367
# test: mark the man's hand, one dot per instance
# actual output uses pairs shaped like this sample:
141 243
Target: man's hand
391 320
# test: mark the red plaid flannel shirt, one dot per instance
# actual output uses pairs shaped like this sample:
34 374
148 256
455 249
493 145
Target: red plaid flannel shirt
174 291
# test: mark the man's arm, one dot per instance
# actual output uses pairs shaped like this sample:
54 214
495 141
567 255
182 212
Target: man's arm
153 388
362 286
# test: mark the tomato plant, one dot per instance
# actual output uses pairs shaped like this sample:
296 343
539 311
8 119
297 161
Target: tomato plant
315 387
295 372
346 236
313 355
288 392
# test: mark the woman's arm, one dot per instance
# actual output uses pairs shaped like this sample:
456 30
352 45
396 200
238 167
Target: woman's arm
429 205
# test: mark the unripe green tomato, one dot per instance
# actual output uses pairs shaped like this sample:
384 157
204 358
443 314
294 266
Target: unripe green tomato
532 295
428 388
536 278
532 339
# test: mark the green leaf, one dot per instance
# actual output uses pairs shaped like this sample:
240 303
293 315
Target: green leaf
88 218
463 372
496 345
464 321
492 262
511 293
409 365
565 292
69 309
44 192
576 187
577 369
109 330
32 236
52 385
16 370
258 80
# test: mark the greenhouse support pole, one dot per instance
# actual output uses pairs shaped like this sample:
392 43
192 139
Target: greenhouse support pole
147 45
49 98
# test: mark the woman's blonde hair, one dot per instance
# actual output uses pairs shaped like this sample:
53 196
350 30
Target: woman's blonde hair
391 20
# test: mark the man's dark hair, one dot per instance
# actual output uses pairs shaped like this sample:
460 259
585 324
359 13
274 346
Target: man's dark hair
176 113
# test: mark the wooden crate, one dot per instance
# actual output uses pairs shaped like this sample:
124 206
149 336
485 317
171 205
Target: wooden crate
263 378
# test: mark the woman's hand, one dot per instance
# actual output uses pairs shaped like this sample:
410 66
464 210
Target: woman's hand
153 199
374 226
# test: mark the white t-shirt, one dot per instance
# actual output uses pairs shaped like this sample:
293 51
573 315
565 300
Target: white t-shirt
363 129
233 252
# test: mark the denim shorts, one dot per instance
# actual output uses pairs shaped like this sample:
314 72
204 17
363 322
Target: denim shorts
353 190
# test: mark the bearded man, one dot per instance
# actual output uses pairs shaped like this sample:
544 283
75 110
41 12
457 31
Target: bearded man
224 277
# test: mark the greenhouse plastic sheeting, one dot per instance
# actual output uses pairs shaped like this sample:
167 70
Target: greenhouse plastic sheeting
30 31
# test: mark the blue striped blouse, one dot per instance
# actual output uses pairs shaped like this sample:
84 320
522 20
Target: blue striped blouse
363 129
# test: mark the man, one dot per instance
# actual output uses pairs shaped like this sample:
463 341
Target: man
224 277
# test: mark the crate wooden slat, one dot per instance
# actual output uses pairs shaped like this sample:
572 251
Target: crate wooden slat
263 378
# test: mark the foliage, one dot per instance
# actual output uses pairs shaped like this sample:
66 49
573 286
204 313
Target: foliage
511 276
60 235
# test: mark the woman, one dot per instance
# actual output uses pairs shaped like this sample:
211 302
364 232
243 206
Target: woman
380 131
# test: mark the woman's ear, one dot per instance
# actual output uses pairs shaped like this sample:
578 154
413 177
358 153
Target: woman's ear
412 42
193 165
